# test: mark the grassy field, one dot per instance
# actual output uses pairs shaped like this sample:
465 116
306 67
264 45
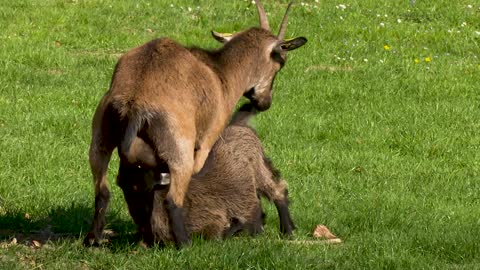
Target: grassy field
375 126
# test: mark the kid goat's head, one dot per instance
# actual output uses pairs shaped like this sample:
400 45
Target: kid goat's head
270 54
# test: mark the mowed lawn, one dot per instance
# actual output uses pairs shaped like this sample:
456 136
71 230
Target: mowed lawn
374 125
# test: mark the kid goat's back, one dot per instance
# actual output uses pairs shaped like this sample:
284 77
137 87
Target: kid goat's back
178 100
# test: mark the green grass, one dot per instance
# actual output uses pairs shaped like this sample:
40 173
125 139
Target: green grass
383 150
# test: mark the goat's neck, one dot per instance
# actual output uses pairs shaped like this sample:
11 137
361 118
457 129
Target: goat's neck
237 71
238 75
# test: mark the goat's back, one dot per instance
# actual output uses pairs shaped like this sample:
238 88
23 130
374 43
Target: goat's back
162 75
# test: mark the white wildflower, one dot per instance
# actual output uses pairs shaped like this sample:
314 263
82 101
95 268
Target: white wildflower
382 24
399 20
464 24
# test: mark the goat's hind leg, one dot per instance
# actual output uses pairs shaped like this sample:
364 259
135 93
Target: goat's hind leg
271 185
101 149
179 181
176 148
286 223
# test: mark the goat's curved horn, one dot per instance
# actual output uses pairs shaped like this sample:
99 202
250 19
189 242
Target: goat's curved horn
283 26
262 16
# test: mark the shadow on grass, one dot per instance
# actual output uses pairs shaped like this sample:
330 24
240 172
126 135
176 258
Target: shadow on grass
70 223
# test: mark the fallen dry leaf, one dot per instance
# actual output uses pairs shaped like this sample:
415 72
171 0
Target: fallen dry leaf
36 244
322 232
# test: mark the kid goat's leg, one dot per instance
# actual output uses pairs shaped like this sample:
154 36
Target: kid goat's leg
271 185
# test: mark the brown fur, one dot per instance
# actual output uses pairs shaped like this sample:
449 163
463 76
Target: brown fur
221 200
178 100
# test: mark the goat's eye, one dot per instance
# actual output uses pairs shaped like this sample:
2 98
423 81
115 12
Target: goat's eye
278 57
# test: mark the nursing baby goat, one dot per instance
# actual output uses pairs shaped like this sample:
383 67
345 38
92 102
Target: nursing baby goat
221 200
178 100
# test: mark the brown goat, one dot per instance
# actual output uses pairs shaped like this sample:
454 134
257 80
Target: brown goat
221 200
178 101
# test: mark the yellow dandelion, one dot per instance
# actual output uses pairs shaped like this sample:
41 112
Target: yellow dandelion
428 59
386 47
416 61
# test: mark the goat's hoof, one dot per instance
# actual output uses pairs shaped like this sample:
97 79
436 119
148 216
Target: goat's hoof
183 243
177 219
287 231
287 234
90 240
181 239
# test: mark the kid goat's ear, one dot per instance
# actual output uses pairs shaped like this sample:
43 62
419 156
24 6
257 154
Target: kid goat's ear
222 37
292 44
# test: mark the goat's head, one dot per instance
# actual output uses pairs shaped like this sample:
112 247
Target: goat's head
270 55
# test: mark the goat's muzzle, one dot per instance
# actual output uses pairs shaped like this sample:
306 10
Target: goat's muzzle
260 102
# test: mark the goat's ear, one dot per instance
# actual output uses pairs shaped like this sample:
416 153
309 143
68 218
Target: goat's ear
222 37
292 44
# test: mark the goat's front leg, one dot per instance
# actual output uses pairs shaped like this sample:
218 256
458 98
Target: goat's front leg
255 225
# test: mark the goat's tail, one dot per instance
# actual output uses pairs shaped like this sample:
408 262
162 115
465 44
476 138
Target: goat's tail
243 115
133 126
